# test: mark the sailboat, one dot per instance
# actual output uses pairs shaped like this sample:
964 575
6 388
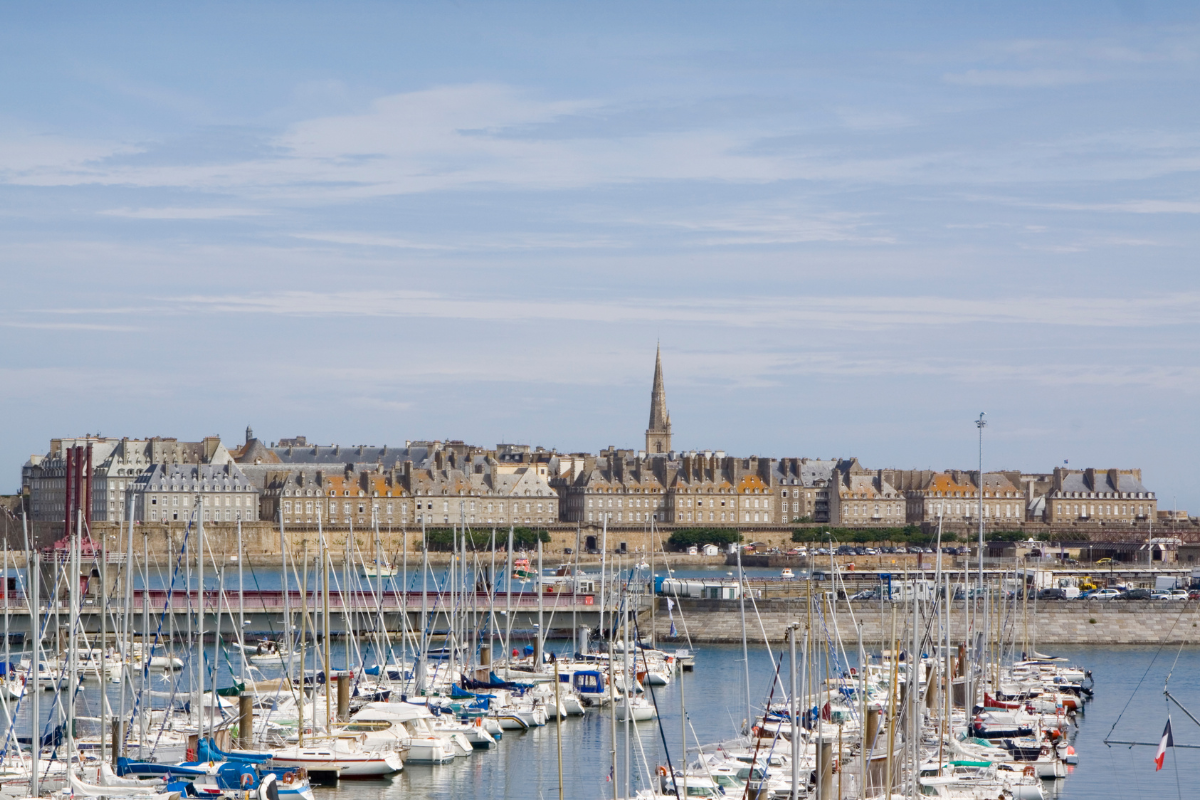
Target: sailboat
377 568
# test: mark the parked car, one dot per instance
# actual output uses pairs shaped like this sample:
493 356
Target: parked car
1133 594
865 594
1105 594
1099 562
1052 594
1171 594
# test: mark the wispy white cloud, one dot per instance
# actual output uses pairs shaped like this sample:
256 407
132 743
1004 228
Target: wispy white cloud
856 312
70 326
1019 79
181 212
1128 206
463 241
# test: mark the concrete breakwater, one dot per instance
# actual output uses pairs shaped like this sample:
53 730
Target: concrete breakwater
1059 622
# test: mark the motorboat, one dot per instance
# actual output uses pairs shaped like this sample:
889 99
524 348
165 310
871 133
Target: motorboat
342 755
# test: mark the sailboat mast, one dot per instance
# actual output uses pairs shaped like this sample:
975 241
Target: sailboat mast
146 648
403 596
7 637
32 685
212 708
541 638
683 738
745 646
324 553
793 708
347 605
103 643
629 684
73 664
612 717
200 619
508 604
653 599
285 650
302 640
126 639
603 573
241 600
420 672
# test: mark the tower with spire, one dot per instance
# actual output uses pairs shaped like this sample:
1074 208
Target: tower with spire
658 435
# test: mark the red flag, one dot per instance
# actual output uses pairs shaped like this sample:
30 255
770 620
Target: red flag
1167 741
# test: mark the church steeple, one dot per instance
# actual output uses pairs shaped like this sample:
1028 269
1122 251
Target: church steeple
658 435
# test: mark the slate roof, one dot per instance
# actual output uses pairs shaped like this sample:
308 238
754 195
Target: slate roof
194 478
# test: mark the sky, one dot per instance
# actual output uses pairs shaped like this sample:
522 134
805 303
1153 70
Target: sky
852 227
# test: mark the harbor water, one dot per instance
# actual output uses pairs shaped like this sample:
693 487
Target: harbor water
1129 693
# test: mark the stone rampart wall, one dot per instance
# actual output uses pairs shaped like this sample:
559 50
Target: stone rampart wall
1054 623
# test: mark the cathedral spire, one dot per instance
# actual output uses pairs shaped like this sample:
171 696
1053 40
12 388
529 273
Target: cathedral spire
658 435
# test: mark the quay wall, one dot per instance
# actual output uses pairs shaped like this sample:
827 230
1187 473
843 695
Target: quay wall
1061 622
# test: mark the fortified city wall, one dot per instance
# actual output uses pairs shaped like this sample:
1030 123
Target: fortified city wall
1060 622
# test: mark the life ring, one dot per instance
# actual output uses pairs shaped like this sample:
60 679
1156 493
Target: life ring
288 777
662 771
247 780
1029 770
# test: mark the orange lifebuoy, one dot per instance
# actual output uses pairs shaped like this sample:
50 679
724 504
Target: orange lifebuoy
1029 770
288 777
662 771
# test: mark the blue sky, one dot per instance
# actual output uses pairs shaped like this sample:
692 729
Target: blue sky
853 227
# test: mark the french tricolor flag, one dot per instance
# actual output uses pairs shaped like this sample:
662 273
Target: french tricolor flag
1167 741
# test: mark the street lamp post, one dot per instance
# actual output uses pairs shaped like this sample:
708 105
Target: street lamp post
980 423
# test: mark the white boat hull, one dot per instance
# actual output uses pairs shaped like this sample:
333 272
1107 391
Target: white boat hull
347 765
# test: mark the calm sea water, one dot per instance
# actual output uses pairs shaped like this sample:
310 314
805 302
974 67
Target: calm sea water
1129 694
271 578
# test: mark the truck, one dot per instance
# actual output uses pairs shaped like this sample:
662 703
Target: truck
1165 583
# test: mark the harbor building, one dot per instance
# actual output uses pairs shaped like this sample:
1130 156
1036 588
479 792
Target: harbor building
97 478
426 483
1099 495
859 496
450 482
175 492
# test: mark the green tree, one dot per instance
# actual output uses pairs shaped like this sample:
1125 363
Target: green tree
442 539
